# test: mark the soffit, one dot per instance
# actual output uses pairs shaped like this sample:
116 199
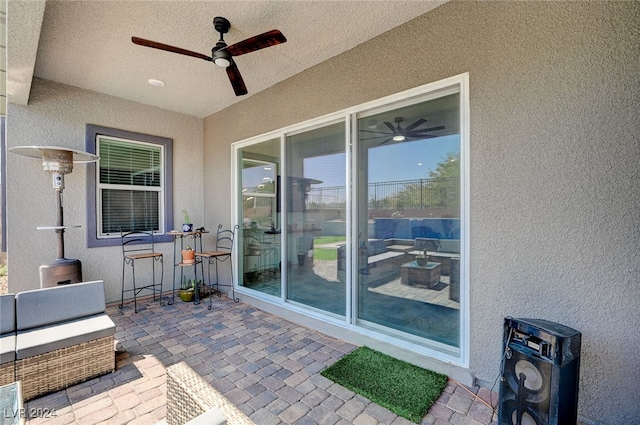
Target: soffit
88 44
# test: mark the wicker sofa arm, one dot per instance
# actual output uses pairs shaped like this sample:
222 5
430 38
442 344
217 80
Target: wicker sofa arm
189 397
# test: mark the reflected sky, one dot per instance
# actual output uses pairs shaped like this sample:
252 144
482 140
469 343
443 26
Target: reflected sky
399 161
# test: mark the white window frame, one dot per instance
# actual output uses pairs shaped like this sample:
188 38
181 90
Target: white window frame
136 188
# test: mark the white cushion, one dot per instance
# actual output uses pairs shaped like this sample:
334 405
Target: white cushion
7 348
213 416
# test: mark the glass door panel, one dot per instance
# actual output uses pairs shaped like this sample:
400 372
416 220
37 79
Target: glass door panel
259 239
316 223
408 225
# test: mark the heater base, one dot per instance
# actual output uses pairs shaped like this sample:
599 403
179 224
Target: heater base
62 271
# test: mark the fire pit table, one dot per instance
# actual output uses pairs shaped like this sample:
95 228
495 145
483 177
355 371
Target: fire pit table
414 274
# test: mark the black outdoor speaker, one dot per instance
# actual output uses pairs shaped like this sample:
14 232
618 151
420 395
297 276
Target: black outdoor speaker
540 371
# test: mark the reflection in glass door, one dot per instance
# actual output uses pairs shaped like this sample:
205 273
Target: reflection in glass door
389 262
258 240
316 220
408 224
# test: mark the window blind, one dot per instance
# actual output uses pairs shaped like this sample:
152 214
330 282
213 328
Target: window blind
129 164
137 167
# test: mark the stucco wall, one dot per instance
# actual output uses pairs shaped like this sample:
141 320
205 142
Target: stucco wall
555 204
56 115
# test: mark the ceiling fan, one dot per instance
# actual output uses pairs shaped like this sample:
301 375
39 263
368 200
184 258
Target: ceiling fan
399 134
222 54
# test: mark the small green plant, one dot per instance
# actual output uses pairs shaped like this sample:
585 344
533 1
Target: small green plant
184 286
188 284
187 219
3 270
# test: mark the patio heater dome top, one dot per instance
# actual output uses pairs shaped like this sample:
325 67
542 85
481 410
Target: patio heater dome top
56 159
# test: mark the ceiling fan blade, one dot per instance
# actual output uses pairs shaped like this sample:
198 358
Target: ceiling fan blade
389 139
391 127
415 124
375 131
373 138
166 47
440 127
260 41
236 80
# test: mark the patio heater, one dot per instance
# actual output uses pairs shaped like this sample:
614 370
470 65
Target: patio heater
58 161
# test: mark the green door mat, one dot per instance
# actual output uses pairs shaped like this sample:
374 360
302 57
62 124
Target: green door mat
405 389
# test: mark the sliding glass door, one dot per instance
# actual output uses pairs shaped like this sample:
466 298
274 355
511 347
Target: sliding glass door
258 240
408 195
360 218
316 225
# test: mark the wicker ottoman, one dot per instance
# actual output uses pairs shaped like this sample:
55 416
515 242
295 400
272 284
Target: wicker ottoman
189 396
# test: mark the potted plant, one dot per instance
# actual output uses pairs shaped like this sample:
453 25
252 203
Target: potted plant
188 255
186 292
422 259
187 225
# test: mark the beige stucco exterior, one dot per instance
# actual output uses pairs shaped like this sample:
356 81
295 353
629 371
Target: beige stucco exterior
555 205
57 115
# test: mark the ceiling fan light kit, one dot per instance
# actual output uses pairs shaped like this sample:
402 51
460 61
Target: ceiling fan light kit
221 58
222 54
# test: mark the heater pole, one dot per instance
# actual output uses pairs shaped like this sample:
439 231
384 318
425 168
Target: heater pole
60 224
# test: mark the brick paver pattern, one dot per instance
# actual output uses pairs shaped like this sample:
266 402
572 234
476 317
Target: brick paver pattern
267 366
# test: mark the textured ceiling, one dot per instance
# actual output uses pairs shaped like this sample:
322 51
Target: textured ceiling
88 44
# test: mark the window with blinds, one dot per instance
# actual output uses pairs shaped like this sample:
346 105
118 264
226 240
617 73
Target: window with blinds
129 186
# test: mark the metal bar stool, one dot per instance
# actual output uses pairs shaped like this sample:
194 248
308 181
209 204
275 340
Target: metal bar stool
139 245
222 253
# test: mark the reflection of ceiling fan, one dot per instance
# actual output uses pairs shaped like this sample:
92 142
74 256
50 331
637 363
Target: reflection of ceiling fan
399 134
221 54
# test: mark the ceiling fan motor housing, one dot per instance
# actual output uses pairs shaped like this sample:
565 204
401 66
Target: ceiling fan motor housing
220 55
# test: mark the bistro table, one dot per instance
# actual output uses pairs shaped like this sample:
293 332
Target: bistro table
196 237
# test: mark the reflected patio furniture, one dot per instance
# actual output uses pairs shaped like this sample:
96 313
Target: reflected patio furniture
138 245
261 254
438 250
426 276
454 280
374 254
222 253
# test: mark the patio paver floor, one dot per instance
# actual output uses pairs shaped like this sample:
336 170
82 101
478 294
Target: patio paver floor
267 366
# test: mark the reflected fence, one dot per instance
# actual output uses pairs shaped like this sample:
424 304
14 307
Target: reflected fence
397 195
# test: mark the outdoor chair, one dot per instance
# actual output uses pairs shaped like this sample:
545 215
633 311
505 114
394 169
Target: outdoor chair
137 246
221 254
